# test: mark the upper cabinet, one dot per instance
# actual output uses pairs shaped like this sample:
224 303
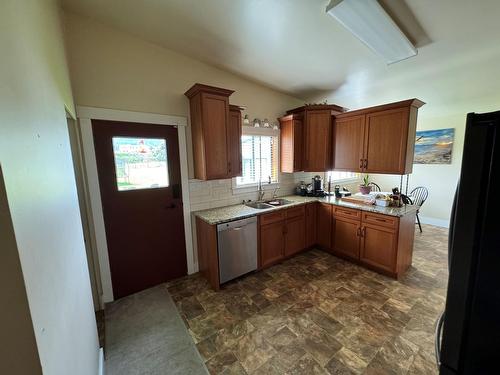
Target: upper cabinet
234 140
291 143
376 140
215 133
307 135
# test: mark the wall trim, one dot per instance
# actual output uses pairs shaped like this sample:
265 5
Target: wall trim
434 221
85 116
96 113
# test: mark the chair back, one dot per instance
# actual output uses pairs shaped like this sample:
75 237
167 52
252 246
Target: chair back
419 195
375 186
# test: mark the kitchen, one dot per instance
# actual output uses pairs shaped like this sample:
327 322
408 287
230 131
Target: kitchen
266 189
335 225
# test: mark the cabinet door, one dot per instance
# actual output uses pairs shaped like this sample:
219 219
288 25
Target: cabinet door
348 144
379 247
272 243
295 235
298 140
346 237
324 225
318 141
234 143
215 113
386 137
311 209
291 145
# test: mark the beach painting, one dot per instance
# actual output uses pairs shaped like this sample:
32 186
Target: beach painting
434 146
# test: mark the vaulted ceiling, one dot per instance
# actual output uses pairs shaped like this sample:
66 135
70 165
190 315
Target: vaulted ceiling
295 47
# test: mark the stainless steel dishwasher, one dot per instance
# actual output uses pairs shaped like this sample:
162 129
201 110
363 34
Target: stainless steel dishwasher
237 247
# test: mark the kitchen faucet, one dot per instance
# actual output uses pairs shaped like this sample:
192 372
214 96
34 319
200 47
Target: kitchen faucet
275 193
261 190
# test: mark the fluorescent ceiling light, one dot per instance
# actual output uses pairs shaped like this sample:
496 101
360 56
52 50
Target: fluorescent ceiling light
368 21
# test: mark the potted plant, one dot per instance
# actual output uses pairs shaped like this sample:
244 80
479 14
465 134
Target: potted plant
365 187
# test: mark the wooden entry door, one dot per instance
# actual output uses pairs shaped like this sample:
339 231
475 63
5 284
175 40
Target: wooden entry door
140 183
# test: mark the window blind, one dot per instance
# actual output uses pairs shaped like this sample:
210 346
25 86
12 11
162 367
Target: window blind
259 159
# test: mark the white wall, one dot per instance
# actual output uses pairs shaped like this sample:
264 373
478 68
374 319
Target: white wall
113 69
36 161
453 86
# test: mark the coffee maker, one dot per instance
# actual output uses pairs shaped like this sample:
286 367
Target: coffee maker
317 187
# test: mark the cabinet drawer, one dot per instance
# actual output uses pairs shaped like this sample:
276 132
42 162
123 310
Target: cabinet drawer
378 219
272 217
348 213
295 211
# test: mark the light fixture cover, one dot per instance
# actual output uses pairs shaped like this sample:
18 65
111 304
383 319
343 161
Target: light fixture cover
369 22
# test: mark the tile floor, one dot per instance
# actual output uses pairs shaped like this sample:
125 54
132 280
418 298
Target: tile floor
317 314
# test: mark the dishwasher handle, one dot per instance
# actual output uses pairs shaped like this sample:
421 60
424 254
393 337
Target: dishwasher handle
237 224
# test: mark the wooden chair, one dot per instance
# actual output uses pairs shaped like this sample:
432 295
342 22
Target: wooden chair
418 197
375 186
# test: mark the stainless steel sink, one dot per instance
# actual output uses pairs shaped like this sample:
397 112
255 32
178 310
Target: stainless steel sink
278 202
258 205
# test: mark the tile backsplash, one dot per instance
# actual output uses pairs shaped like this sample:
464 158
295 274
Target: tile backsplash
218 193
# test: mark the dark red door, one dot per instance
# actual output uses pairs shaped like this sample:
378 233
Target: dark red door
140 183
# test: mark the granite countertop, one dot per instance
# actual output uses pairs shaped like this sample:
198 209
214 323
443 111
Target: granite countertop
240 211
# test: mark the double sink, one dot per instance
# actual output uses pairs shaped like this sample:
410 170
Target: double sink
278 202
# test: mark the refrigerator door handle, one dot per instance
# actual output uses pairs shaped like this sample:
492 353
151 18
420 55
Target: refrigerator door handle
437 341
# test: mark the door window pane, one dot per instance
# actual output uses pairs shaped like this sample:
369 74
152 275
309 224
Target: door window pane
140 163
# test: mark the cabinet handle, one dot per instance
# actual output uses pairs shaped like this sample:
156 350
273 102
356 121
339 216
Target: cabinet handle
360 163
358 232
366 163
229 166
363 232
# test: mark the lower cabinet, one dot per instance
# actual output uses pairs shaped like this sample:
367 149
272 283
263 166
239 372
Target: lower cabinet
324 225
380 242
379 247
311 238
347 237
295 235
282 234
272 243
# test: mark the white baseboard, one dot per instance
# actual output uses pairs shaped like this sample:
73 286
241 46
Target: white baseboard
100 370
433 221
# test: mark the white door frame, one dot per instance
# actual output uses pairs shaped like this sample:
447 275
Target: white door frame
85 116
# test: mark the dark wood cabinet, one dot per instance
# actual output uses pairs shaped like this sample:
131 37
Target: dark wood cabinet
272 243
324 225
347 237
282 234
306 138
213 138
379 247
311 210
386 141
349 148
295 235
317 141
291 141
234 141
378 139
380 242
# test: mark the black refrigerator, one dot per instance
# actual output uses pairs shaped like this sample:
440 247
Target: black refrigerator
468 335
